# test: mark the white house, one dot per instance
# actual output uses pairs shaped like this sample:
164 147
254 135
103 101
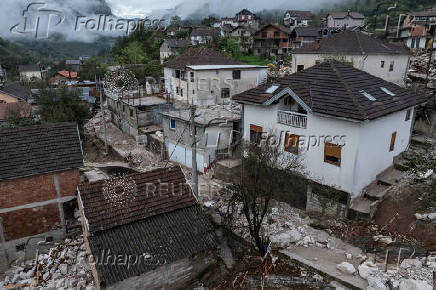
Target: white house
204 76
31 72
215 127
202 35
171 47
296 18
344 19
382 59
346 124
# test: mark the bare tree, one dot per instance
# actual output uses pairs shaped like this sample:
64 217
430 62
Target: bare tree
266 172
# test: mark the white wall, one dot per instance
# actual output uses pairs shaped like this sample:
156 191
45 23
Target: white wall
368 63
364 155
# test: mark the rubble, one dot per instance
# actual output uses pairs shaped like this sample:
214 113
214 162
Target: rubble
65 266
346 268
414 285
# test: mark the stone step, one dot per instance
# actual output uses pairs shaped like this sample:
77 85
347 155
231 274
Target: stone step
361 208
390 176
375 191
401 163
420 141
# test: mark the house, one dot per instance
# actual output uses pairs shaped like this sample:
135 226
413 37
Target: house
73 64
136 115
244 35
151 221
296 18
3 76
172 46
416 30
14 100
247 18
272 40
344 19
305 34
39 174
202 35
229 21
204 76
345 124
377 57
215 128
64 76
32 72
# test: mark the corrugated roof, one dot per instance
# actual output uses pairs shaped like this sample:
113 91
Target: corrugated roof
352 42
333 88
39 149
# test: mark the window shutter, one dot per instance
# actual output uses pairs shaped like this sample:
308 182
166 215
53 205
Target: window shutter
332 153
392 146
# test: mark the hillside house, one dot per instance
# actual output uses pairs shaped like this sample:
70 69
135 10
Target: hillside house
14 102
296 18
73 64
204 76
346 125
39 174
303 35
216 128
272 40
202 35
247 18
416 30
64 76
344 19
244 35
153 222
171 47
377 57
32 72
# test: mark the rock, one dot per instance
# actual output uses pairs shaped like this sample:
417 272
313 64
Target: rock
81 285
414 285
375 283
419 216
308 240
90 287
63 268
295 236
346 267
281 240
432 216
60 283
349 256
367 269
407 263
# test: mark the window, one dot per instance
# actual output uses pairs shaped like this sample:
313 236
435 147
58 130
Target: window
393 137
192 77
291 143
193 92
177 74
408 113
255 134
236 74
183 75
131 112
276 33
172 124
225 93
181 92
300 67
382 64
332 154
391 66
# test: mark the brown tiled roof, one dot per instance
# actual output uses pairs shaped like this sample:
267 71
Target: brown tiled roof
342 15
309 31
335 89
146 196
16 90
177 43
200 56
39 149
352 42
280 27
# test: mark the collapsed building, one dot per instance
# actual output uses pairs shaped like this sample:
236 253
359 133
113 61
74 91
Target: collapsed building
145 229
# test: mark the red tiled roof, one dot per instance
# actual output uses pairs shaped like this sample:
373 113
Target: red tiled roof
146 195
68 74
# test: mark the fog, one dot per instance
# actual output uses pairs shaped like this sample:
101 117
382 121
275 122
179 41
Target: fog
11 13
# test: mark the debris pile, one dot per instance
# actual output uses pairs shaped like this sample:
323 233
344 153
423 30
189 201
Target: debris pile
65 266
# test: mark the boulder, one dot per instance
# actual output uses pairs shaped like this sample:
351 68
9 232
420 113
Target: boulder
414 285
281 240
63 268
295 236
375 283
346 267
366 270
407 263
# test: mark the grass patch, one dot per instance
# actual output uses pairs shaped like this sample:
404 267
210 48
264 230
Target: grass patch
253 60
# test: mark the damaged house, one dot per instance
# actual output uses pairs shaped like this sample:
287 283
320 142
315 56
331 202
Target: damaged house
39 174
203 76
375 56
217 130
14 100
145 231
416 30
172 46
345 124
297 18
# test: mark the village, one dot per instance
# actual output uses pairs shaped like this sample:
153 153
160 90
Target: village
294 150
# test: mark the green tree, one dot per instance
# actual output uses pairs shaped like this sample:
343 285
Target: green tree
92 67
229 45
61 105
133 54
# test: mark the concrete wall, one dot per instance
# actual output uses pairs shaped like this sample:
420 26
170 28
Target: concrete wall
29 75
207 85
29 206
368 63
362 141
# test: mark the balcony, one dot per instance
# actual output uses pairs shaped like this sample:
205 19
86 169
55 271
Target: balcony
293 119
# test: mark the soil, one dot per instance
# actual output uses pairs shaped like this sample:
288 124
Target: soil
93 149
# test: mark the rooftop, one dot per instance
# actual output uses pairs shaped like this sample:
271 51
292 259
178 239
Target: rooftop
29 68
16 90
200 56
309 31
342 15
352 42
214 67
338 90
176 43
300 15
39 149
144 101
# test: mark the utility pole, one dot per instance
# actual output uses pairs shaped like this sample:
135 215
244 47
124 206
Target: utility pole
106 151
194 152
